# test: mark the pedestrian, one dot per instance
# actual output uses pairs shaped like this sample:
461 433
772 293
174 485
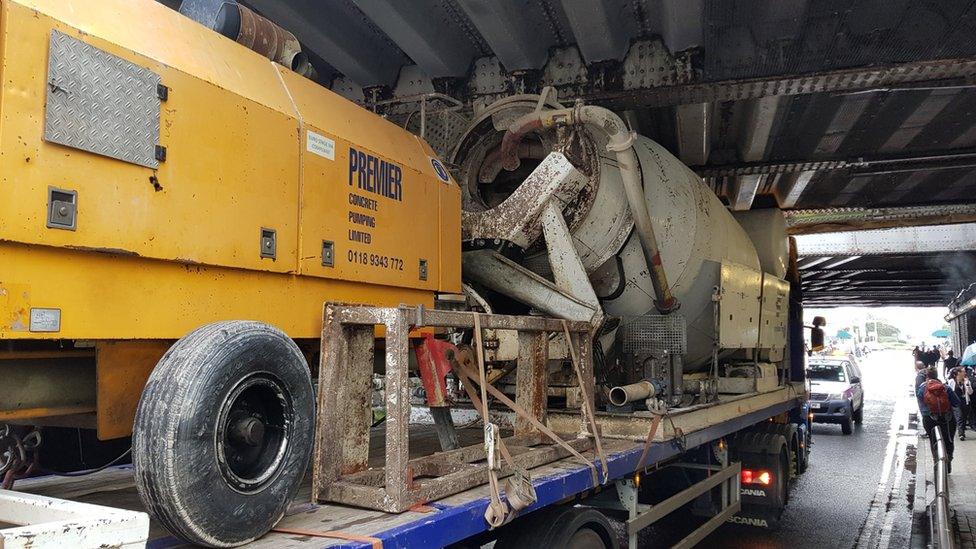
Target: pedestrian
971 376
917 353
936 405
920 377
949 363
960 385
932 357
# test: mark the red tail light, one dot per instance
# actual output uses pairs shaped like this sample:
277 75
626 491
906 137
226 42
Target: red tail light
755 476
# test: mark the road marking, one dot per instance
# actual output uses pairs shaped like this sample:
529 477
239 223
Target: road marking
889 483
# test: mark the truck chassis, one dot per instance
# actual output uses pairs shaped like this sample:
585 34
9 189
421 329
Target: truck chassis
460 517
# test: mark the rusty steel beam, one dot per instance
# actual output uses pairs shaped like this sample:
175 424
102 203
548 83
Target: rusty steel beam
531 379
765 168
940 72
846 219
951 159
346 371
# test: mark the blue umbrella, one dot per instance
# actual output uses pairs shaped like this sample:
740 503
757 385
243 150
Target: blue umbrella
941 333
969 356
844 334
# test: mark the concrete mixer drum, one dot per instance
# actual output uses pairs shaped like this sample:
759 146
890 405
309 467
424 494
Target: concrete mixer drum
551 221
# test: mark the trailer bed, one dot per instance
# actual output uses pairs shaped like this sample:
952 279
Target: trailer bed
443 522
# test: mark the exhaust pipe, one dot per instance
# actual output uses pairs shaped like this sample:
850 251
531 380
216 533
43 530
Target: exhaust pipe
629 393
250 30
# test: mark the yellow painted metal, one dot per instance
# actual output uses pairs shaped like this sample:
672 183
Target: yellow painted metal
402 232
103 296
232 162
155 264
122 369
34 413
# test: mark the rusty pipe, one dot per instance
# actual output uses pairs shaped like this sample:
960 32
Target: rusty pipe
629 393
622 143
263 36
516 132
492 164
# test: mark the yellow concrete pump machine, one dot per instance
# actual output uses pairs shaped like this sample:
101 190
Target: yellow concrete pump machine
158 180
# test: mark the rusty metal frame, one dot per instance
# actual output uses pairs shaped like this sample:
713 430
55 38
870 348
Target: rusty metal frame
341 462
941 72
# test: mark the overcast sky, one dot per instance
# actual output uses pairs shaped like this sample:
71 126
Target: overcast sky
917 323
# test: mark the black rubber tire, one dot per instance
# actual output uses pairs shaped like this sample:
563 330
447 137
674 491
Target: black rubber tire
563 526
789 431
763 450
803 461
847 427
175 441
785 464
859 414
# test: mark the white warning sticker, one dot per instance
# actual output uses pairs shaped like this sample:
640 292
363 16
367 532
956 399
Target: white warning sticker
321 145
45 320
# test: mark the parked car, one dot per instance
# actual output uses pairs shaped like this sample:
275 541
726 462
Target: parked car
836 392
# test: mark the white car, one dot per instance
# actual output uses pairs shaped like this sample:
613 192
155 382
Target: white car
836 393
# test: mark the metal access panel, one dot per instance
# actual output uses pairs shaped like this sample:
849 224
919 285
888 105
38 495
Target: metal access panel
740 288
774 313
101 103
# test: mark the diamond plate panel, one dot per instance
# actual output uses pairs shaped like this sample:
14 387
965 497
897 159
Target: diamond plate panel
100 103
655 334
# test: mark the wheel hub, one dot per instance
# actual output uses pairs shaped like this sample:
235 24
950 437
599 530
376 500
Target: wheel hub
252 433
247 431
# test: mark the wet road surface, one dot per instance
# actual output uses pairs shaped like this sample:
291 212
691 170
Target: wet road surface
858 488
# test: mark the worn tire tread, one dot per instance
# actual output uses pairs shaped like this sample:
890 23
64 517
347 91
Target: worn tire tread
173 385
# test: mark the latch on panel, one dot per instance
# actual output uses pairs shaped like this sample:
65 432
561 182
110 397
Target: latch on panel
328 253
62 209
269 243
423 269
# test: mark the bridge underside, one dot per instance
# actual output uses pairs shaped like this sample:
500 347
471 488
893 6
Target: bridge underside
853 118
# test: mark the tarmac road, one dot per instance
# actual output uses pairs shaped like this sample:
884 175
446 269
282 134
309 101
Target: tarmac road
859 488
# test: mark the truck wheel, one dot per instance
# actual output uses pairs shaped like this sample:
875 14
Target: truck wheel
223 433
847 427
793 435
803 461
859 415
763 506
569 527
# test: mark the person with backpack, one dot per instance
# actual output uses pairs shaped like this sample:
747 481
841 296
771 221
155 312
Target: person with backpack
920 377
960 385
936 404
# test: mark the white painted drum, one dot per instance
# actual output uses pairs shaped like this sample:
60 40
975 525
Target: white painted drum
694 229
695 232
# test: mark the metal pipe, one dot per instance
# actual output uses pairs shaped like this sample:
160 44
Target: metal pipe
492 164
629 393
942 529
263 36
621 143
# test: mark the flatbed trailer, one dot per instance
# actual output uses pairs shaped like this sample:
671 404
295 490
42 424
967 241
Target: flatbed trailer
460 518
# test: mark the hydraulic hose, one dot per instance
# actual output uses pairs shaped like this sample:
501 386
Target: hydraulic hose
622 143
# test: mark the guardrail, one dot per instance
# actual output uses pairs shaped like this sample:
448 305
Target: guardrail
940 527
